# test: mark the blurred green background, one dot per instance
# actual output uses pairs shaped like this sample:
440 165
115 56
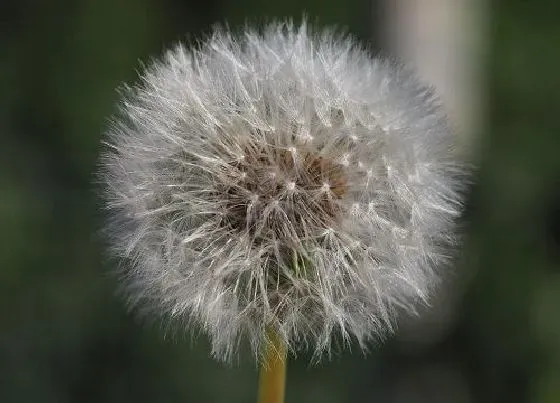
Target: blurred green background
66 337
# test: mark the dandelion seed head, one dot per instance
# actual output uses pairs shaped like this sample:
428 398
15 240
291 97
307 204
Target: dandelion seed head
281 178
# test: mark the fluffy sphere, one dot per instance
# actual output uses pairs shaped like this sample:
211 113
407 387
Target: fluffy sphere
280 179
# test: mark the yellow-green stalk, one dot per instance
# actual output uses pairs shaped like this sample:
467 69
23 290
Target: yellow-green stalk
272 376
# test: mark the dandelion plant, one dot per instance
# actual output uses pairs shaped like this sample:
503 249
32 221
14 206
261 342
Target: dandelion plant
280 187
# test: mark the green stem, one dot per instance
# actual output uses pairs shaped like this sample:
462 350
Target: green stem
272 377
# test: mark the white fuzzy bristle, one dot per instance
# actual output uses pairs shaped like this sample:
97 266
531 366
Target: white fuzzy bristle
280 178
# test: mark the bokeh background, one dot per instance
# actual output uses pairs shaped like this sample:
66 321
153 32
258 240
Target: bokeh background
66 337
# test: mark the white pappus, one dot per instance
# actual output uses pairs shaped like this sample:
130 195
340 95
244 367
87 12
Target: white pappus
280 178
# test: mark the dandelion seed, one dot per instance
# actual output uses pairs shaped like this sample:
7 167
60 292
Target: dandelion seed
283 179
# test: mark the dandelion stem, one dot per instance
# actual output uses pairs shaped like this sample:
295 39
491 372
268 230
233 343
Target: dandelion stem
272 377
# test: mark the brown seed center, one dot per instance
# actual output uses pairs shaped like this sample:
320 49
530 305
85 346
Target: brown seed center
304 184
